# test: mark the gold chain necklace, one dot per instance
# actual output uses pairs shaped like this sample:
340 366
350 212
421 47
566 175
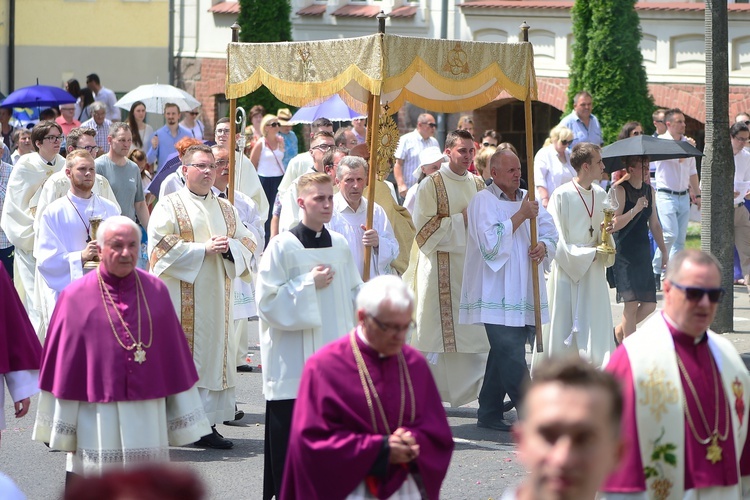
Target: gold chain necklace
371 392
713 450
140 353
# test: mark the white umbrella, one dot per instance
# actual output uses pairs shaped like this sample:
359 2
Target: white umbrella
155 96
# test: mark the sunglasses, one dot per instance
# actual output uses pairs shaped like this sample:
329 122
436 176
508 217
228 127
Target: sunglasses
274 124
486 144
565 143
195 113
431 124
695 294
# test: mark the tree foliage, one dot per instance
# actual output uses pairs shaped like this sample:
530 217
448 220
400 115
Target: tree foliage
264 21
607 62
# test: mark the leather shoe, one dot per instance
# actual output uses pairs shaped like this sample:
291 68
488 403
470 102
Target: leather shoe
507 406
500 425
657 282
214 441
238 415
244 368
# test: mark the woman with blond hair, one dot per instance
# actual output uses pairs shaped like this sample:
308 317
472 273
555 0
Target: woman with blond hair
552 163
268 157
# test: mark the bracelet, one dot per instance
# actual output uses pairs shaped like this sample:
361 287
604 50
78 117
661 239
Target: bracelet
697 196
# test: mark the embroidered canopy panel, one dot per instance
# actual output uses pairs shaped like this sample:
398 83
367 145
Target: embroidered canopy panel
439 75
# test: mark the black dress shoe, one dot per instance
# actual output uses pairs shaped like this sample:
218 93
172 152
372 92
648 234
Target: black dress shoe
238 415
501 425
244 368
657 282
214 441
507 406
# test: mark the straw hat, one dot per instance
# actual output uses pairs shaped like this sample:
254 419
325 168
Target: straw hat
284 115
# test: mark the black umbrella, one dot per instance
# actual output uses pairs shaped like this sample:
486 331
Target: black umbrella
645 145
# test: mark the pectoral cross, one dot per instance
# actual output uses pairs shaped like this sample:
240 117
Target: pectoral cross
591 231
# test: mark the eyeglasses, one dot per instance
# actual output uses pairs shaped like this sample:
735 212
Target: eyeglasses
53 138
274 124
202 166
565 143
747 122
90 149
431 124
221 163
195 113
322 147
741 139
695 294
222 131
391 328
485 144
635 132
658 121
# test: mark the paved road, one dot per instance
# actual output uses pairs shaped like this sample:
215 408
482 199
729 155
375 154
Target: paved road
483 465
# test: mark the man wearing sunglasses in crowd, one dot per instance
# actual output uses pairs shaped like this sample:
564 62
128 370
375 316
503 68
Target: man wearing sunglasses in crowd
686 393
407 152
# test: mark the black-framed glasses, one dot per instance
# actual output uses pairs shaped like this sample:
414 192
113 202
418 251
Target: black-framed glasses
390 327
274 124
695 294
90 149
195 113
322 147
565 143
431 124
202 166
53 138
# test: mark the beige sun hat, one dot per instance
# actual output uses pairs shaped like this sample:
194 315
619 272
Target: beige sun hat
428 156
284 115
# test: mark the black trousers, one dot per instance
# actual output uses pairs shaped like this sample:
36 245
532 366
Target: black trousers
506 370
278 425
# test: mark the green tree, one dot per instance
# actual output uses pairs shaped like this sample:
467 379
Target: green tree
264 21
607 62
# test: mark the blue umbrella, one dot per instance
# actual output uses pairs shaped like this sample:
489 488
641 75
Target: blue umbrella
37 96
334 108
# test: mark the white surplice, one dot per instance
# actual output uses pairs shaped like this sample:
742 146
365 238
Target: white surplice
296 318
247 182
347 222
125 434
60 237
17 221
497 286
457 353
200 285
578 293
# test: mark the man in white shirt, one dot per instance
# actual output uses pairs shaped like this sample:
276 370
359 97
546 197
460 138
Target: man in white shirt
744 118
103 94
350 219
408 149
301 163
740 134
676 188
63 243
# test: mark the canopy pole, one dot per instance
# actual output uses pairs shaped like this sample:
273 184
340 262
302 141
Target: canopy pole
532 196
232 125
373 119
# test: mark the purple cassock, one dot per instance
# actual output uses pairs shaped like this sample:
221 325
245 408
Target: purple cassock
699 472
332 445
83 361
19 346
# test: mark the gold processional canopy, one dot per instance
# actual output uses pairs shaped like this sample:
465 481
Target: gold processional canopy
438 75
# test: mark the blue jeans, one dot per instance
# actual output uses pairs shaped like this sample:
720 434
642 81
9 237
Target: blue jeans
506 370
674 215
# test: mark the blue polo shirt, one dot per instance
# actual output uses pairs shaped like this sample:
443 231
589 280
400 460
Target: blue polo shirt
166 145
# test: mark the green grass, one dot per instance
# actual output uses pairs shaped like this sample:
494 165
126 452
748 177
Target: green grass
693 239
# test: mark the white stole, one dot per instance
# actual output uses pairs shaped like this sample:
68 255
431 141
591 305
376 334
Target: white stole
659 395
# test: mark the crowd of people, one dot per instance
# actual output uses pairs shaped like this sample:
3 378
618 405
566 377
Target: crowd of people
115 231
